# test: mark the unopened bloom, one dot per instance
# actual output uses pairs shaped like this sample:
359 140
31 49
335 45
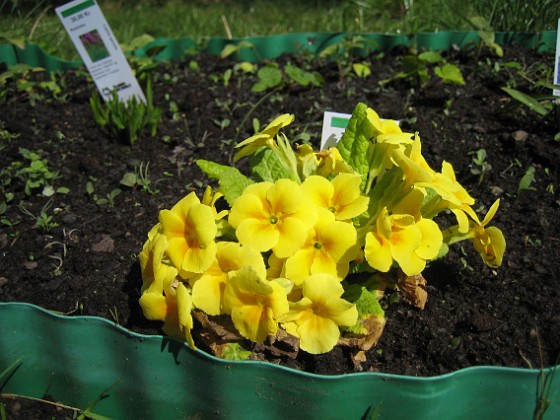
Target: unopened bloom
341 195
264 138
190 229
329 248
316 318
208 288
453 196
255 304
489 241
272 216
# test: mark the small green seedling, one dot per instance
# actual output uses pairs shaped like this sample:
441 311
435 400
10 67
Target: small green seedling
417 70
526 180
481 165
271 77
127 119
139 178
43 220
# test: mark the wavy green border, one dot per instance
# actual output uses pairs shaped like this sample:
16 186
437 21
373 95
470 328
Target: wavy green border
272 46
76 359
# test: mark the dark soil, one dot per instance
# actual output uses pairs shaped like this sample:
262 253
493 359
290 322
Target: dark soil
87 265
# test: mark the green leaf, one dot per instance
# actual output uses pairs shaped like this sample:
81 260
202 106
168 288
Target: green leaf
527 100
129 179
267 166
212 169
450 73
366 297
355 142
232 184
269 77
430 57
228 50
233 351
362 70
302 77
527 180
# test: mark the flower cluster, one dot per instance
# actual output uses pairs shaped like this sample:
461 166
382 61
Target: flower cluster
282 250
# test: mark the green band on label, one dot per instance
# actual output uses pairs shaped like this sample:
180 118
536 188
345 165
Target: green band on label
78 8
339 122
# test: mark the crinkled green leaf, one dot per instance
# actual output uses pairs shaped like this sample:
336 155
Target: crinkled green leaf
366 297
232 184
211 169
355 142
231 181
267 166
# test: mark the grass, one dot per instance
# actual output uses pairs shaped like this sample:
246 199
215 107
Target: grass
198 19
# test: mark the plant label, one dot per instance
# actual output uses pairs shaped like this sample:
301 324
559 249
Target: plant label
100 52
334 124
556 92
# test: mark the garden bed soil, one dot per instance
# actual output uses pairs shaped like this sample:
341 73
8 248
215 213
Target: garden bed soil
87 264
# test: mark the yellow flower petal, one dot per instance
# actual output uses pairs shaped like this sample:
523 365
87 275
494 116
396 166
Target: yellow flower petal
154 306
432 239
258 234
254 303
378 252
318 335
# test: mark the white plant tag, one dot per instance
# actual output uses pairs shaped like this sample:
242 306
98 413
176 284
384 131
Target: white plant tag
556 92
100 52
334 124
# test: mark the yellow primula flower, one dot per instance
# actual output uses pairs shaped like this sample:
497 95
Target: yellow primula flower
330 162
453 196
190 229
208 288
156 275
341 195
382 126
414 167
163 297
432 237
395 238
489 242
316 318
272 216
209 198
329 248
264 138
254 303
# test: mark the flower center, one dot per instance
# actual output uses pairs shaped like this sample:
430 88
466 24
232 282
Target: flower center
273 220
317 245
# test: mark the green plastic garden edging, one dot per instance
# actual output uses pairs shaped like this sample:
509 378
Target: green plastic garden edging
76 359
272 46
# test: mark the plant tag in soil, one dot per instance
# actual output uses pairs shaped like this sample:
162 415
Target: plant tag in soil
334 124
556 92
100 52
